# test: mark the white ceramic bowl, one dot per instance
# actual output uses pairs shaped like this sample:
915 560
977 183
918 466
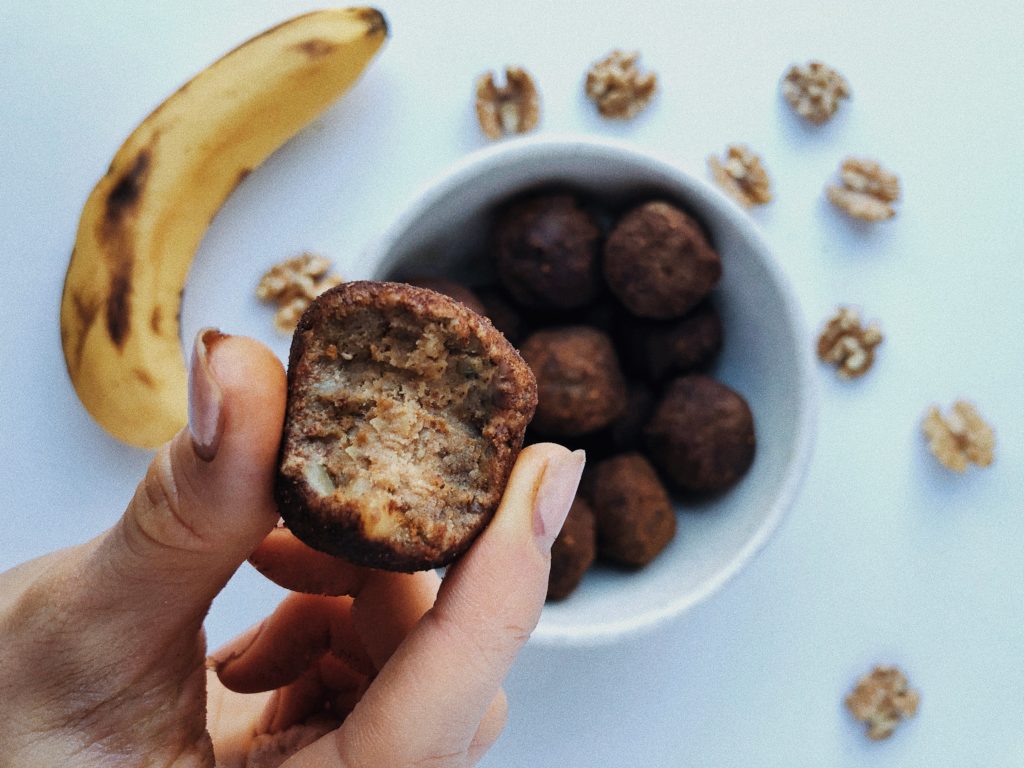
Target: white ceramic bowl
767 357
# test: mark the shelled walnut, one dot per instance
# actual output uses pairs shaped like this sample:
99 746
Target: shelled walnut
867 192
881 700
847 344
618 88
508 109
294 283
742 176
962 437
814 90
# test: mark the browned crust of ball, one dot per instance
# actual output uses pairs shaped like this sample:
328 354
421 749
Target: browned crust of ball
660 349
658 261
634 515
451 289
338 529
548 249
573 552
702 435
580 385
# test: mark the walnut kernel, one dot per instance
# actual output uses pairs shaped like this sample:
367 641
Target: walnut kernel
881 700
512 108
292 285
742 176
867 191
962 437
814 90
618 88
847 344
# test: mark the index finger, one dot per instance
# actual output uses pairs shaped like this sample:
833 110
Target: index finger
388 605
296 566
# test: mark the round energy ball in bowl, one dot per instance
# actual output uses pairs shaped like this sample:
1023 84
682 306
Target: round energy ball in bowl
766 356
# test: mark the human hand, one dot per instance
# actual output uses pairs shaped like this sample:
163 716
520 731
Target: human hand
104 658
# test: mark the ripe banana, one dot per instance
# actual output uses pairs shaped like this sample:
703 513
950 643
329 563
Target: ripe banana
141 225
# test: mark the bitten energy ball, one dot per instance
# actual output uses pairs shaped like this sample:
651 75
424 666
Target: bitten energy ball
547 250
658 262
452 290
405 413
635 519
580 387
658 350
573 551
701 434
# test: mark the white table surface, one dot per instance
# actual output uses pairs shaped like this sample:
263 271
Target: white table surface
885 558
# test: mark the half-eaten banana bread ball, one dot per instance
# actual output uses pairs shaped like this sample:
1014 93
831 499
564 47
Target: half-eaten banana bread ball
406 411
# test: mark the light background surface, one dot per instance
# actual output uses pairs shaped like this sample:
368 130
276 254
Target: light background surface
885 558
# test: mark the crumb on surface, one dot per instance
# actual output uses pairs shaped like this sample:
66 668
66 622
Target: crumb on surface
618 88
814 90
742 176
881 700
963 437
508 109
849 345
292 284
866 190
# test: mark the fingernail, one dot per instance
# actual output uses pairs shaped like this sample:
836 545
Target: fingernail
234 648
205 400
554 496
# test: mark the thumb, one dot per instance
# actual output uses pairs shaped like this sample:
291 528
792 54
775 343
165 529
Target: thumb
431 696
206 500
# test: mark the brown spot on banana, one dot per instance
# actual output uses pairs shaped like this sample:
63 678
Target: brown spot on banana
154 320
242 175
119 304
371 17
144 377
374 20
123 199
116 229
85 313
316 47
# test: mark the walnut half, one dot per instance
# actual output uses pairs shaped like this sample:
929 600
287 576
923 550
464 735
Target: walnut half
617 87
814 90
849 345
962 437
867 192
508 109
742 176
292 285
881 700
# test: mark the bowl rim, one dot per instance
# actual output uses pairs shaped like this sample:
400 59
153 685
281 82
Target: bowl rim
511 151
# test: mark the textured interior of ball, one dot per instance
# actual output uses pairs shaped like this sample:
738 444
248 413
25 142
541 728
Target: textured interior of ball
391 420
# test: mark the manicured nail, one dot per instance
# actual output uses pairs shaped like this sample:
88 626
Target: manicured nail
205 400
554 496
